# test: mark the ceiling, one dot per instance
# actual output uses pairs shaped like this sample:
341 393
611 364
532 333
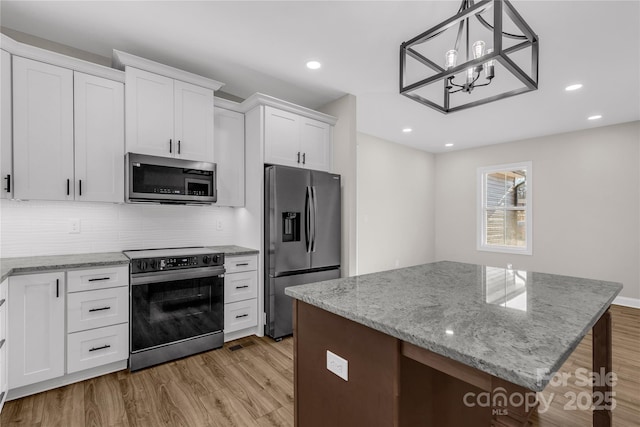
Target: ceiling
262 46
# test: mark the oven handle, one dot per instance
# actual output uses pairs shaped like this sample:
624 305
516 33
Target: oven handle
169 276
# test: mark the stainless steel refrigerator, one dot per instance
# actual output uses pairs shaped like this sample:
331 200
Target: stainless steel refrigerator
302 237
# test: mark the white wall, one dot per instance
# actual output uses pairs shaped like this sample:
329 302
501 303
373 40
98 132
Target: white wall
345 164
33 228
395 205
586 204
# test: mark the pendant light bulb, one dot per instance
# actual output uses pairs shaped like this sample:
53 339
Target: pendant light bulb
450 59
489 72
470 73
478 49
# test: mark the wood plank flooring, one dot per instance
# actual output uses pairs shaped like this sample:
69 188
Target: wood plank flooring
253 386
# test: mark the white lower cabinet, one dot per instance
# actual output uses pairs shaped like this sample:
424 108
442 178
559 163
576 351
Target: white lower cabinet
240 315
43 351
95 309
4 343
37 333
240 296
96 347
97 317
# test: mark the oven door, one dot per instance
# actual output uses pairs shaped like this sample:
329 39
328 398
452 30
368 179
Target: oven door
172 306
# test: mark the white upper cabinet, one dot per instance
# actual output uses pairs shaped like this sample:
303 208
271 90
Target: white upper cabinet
42 131
282 138
99 139
194 124
6 155
149 113
167 117
315 143
229 156
49 103
294 140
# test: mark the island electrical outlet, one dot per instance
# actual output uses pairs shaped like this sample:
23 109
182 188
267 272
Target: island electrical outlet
338 365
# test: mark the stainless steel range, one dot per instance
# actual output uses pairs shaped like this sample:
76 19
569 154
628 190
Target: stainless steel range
177 304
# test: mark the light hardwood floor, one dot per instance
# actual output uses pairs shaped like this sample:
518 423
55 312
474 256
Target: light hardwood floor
253 386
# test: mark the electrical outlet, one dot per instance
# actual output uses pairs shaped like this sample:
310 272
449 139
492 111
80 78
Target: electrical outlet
338 365
219 225
74 226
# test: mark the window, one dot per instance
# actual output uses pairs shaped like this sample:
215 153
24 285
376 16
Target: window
504 215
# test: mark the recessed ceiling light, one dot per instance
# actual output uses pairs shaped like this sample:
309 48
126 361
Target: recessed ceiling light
407 130
450 144
313 65
596 117
573 87
448 332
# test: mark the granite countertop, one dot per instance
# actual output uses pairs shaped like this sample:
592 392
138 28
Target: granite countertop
12 266
233 250
24 265
507 323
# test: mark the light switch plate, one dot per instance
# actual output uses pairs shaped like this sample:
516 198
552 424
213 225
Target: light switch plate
338 365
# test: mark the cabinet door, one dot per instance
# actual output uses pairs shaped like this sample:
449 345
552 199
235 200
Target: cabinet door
193 122
281 138
315 144
229 156
36 315
99 139
42 131
6 155
149 113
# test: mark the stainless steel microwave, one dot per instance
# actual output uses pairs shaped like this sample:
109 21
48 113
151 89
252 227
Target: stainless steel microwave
167 180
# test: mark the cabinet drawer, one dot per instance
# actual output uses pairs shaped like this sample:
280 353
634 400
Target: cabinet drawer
240 315
237 264
97 347
240 286
98 278
94 309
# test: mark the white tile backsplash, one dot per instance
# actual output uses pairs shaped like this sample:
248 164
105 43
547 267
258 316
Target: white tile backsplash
31 228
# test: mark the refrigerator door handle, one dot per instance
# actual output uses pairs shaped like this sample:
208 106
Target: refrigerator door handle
314 199
307 219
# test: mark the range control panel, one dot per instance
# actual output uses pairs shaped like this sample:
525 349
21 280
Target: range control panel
147 265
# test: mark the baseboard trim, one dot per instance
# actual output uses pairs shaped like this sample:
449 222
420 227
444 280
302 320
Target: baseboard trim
75 377
627 302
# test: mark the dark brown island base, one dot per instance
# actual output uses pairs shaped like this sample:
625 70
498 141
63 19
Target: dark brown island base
399 372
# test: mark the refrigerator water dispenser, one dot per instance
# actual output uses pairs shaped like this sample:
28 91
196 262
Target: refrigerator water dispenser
290 226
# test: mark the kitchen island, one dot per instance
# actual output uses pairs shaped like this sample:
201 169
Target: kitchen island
442 344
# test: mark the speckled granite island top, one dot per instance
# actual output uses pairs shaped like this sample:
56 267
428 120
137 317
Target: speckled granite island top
12 266
507 323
